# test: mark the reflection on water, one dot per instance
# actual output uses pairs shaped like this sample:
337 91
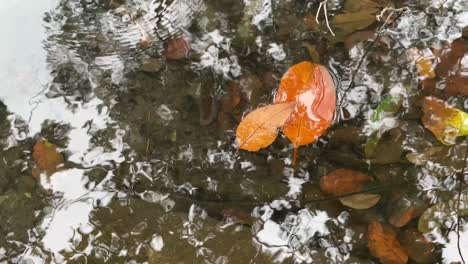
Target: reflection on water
152 174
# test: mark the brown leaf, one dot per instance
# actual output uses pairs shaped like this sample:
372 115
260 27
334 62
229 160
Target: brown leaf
353 6
418 247
384 245
358 36
457 85
361 200
260 127
46 156
177 48
343 181
351 22
450 56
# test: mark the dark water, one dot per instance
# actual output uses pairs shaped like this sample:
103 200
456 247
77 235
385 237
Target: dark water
151 171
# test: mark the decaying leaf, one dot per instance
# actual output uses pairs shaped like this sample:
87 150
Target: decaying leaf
361 200
379 122
369 6
418 247
445 122
384 245
421 158
260 127
423 63
46 157
436 216
457 85
177 48
405 209
351 22
343 181
450 57
312 88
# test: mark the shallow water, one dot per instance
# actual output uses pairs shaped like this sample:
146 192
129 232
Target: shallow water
151 171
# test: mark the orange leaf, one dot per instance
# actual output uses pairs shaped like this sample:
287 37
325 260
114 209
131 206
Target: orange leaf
260 127
343 181
46 156
312 88
383 244
177 48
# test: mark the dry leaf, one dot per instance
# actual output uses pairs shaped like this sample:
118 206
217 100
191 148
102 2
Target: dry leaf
361 200
46 157
383 244
351 22
312 88
343 181
260 127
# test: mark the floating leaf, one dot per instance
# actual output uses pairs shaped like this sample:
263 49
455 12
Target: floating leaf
361 200
260 127
384 245
46 156
445 122
436 216
343 181
351 22
312 88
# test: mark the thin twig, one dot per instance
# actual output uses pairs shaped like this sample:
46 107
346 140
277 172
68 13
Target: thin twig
461 182
323 5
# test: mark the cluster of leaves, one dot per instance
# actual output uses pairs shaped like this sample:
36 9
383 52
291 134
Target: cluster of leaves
304 109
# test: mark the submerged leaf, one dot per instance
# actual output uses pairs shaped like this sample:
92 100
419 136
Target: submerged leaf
46 156
343 181
436 216
384 245
361 200
351 22
445 122
312 88
260 127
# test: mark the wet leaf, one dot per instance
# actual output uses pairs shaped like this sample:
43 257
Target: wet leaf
423 63
343 181
403 210
238 216
369 6
46 156
436 216
177 49
449 57
457 85
260 127
445 122
358 36
418 247
388 107
421 158
361 200
312 88
384 245
351 22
